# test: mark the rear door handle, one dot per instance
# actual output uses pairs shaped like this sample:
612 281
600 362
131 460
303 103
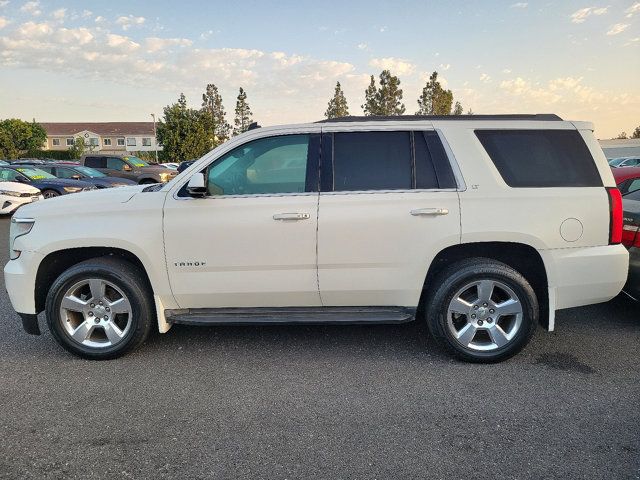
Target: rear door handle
291 216
429 211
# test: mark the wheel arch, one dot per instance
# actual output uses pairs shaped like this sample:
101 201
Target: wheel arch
522 257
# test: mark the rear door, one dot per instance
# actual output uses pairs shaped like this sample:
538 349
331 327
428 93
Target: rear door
388 205
99 163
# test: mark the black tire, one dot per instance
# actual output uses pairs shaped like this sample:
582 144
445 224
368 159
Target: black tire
455 277
48 193
129 279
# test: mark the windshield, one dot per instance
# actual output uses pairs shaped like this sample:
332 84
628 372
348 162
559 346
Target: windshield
135 161
89 172
34 173
614 162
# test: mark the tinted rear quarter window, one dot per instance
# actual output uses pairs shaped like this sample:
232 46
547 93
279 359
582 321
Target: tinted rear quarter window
541 158
95 162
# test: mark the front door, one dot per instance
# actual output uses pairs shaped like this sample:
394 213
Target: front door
251 242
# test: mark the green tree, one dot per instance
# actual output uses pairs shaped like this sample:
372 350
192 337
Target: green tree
7 148
371 106
216 126
243 116
470 112
182 132
434 99
622 136
337 106
457 109
636 133
26 136
78 148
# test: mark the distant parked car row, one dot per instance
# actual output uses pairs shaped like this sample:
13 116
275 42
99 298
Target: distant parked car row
621 162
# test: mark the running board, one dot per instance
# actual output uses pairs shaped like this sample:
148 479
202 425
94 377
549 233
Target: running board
291 315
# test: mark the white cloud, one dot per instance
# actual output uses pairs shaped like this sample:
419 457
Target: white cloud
485 78
34 30
206 35
80 36
581 15
3 22
100 19
32 8
121 42
4 3
155 44
520 5
617 28
383 29
445 66
59 14
363 46
86 13
129 21
397 66
632 10
506 71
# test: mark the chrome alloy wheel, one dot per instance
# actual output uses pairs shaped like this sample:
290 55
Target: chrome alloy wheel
95 313
484 315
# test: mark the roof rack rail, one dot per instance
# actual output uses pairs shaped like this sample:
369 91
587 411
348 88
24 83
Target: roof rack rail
384 118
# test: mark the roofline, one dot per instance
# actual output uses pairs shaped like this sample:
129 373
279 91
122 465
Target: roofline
546 117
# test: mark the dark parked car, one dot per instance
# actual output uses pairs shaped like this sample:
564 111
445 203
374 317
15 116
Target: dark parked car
184 165
86 174
627 179
621 162
129 167
631 240
49 185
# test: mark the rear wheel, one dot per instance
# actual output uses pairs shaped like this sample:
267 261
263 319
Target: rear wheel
482 310
100 308
50 193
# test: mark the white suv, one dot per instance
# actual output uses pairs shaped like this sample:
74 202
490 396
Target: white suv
482 226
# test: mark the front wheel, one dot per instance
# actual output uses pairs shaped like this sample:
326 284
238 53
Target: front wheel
50 194
100 308
482 310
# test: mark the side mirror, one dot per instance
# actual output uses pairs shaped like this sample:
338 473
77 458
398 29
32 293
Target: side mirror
196 186
76 177
126 167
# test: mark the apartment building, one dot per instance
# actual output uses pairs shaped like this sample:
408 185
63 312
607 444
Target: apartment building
107 137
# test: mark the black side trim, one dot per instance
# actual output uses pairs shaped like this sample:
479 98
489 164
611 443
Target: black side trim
441 162
312 181
30 323
326 163
403 118
291 315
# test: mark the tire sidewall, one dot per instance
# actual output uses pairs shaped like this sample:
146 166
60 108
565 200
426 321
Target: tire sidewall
139 321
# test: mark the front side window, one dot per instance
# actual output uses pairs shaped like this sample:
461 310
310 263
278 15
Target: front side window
266 166
131 142
634 185
372 161
541 158
65 172
114 163
8 175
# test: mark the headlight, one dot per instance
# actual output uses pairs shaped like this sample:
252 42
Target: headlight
11 194
72 189
18 228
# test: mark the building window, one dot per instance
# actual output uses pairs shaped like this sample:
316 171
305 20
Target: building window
70 142
131 142
55 142
146 142
121 142
107 142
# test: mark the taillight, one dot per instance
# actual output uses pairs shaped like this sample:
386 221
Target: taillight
615 215
630 237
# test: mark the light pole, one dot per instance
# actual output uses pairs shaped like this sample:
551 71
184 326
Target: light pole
155 138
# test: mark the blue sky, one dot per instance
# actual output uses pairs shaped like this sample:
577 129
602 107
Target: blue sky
122 60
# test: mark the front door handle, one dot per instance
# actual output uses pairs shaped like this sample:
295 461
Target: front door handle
429 211
291 216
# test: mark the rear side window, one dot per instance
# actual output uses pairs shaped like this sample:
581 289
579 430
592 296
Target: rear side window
371 161
541 158
95 162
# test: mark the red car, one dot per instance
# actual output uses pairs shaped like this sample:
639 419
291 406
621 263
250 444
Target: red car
627 179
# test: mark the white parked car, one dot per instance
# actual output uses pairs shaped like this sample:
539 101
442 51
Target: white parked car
482 226
14 195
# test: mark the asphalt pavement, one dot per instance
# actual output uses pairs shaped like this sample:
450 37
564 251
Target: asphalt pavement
324 402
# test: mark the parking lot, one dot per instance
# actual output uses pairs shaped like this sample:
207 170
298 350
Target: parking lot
295 402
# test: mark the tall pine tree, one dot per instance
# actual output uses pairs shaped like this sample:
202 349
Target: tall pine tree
434 100
182 132
337 106
213 114
370 106
389 95
243 117
457 109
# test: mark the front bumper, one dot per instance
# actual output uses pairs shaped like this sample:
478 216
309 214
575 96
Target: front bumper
582 276
632 287
20 281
